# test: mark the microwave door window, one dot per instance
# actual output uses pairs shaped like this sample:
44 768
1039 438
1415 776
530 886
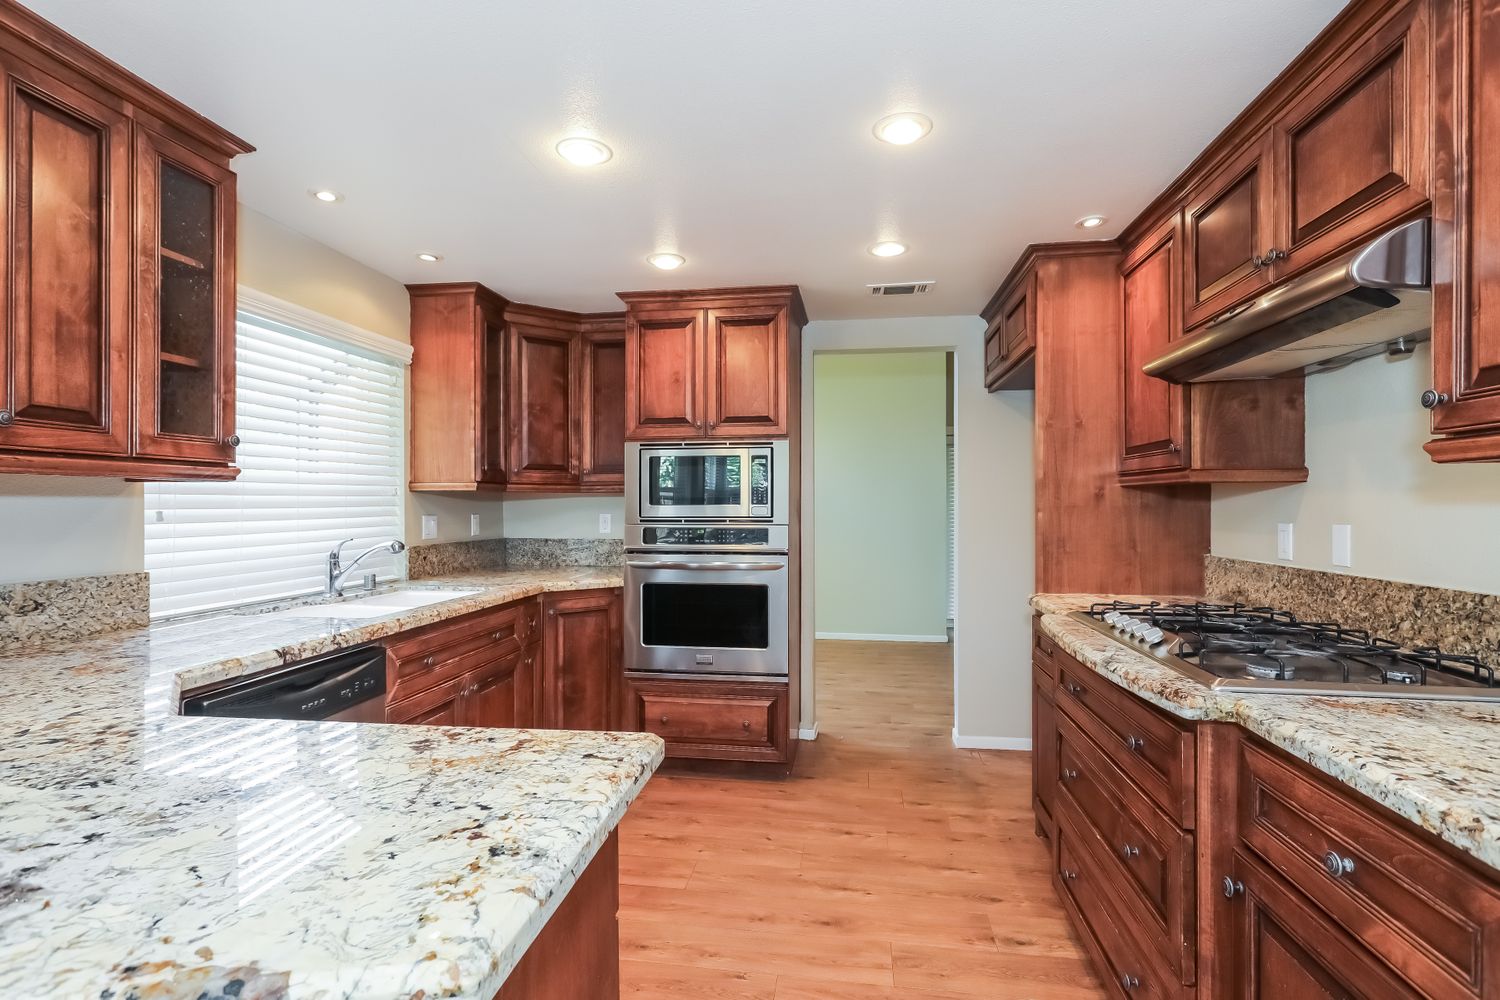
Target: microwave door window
705 615
694 481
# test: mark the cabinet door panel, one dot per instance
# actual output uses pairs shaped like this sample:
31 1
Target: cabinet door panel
185 301
64 351
1355 153
747 371
1226 226
603 403
500 694
663 365
1155 424
580 660
492 394
543 415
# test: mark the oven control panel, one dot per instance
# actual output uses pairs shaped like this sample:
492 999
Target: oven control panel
686 534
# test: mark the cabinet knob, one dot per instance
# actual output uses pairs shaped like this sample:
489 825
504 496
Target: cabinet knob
427 661
1337 865
495 636
5 418
234 441
1073 688
1270 257
664 720
1068 874
1232 887
1135 743
1129 982
1069 774
746 725
1432 399
551 612
1128 851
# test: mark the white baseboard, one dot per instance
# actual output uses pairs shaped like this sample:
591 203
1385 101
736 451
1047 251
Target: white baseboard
874 637
808 734
990 742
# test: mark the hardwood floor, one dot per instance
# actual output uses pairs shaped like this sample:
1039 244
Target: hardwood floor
890 866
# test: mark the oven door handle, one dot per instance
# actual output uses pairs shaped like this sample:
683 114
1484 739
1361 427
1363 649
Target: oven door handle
769 567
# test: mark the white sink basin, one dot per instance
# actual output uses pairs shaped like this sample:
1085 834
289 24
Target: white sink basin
376 606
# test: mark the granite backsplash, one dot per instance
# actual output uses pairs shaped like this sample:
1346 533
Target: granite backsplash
448 558
51 610
1455 620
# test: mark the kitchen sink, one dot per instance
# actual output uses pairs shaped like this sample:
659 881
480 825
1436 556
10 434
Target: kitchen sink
374 606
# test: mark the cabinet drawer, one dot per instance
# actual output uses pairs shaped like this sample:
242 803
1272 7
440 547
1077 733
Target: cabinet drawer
1146 856
732 721
1432 919
430 655
1128 969
1154 751
1043 651
435 706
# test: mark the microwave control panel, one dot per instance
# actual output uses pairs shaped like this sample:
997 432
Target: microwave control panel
760 485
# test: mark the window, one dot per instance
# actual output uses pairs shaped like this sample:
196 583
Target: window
320 424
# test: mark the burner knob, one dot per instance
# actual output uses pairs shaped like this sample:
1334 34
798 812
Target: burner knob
1110 617
1123 623
1152 635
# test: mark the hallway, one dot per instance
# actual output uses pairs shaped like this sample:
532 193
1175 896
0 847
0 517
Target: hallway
890 867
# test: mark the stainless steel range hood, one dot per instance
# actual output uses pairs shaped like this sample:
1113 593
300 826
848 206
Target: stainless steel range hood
1375 299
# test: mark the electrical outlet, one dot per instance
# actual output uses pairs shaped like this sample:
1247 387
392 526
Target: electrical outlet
473 525
1283 541
606 523
429 526
1343 545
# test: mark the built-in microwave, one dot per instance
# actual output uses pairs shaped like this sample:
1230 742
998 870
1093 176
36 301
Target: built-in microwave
710 482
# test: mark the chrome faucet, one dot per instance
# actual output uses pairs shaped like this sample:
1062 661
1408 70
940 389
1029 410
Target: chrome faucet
337 571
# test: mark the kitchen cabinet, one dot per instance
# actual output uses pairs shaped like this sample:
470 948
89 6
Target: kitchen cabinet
1228 234
601 467
116 357
717 363
501 693
478 669
1010 339
1205 432
714 720
1465 395
513 398
581 669
1043 728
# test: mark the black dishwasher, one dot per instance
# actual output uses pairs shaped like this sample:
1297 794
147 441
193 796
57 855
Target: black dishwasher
347 686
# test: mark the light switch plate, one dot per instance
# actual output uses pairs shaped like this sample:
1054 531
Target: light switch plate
473 525
1283 541
429 525
1343 545
606 523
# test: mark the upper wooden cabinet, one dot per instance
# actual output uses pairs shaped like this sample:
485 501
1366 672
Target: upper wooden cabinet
1228 230
714 363
117 351
1010 337
1465 394
510 397
1207 432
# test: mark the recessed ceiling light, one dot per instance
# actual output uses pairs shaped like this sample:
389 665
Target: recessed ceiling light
902 129
666 261
582 151
429 258
888 248
1091 222
326 196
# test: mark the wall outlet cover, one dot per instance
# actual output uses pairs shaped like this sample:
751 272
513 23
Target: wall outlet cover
1284 541
429 526
473 524
606 523
1343 545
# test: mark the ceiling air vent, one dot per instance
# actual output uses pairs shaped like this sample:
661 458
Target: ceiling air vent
903 288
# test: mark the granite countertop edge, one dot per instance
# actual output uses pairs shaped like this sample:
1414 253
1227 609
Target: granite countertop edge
1412 756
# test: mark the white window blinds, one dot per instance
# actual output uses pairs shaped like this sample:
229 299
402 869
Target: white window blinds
320 426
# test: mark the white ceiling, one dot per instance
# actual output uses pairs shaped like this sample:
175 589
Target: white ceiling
742 131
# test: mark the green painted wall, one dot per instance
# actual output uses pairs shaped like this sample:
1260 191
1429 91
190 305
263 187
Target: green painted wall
879 443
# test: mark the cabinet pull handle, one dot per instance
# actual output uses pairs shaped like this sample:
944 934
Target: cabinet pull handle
1337 865
1135 743
1232 887
1069 774
1128 851
1129 982
1432 399
5 418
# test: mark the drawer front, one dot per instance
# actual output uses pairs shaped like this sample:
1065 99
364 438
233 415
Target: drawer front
1435 921
436 653
1043 651
1157 753
1144 853
712 719
435 706
1130 971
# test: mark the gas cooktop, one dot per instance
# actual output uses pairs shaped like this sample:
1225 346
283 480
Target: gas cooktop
1236 648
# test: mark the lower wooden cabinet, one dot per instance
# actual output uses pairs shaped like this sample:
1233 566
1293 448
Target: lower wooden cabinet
581 652
701 719
501 694
1290 885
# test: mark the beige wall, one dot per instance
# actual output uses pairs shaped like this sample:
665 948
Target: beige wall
994 510
880 440
1413 520
564 517
56 527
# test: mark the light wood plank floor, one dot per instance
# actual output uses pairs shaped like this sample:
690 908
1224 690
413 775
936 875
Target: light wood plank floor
889 867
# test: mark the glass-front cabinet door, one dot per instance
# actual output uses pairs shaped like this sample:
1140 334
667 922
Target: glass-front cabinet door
185 303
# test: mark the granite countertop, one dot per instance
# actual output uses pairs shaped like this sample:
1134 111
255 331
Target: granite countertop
144 854
1426 760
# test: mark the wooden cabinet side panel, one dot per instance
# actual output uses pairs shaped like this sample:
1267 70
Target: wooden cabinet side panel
445 403
602 448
